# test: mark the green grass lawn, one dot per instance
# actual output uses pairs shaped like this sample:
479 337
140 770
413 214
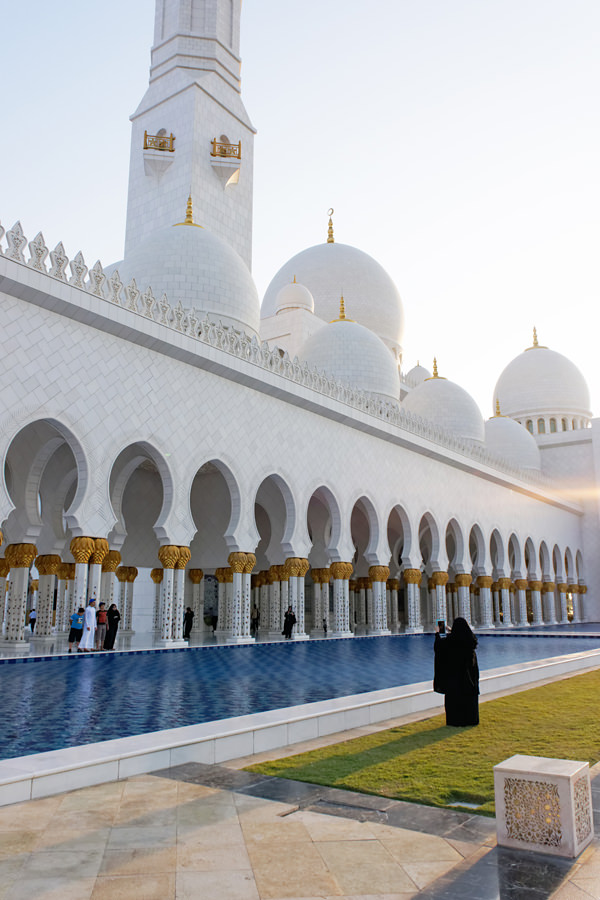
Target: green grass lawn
427 762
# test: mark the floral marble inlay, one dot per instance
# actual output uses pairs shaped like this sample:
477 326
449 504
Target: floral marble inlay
583 813
533 811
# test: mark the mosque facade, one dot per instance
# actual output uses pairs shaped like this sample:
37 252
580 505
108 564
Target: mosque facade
168 442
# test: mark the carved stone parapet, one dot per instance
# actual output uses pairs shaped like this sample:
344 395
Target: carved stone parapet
157 575
21 556
504 584
237 561
101 551
521 584
82 548
412 576
184 557
196 575
168 555
463 580
547 586
484 581
48 564
112 561
379 573
439 578
249 564
393 584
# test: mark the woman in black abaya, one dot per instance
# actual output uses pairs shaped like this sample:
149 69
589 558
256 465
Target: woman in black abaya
114 617
457 674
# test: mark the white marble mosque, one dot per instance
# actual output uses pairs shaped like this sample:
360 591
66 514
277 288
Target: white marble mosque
166 441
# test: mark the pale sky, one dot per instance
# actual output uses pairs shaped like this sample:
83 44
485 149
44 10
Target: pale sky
457 140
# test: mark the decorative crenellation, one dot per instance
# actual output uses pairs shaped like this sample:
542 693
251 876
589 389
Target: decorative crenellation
215 334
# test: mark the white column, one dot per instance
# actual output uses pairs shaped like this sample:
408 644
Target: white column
412 583
122 573
284 590
341 572
504 588
4 570
131 576
20 558
521 600
549 588
440 580
275 602
562 592
196 576
361 607
263 602
535 588
68 607
47 566
484 583
317 629
378 576
157 576
394 586
240 597
463 583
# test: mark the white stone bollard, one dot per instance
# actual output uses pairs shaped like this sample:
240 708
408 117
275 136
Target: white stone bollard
543 804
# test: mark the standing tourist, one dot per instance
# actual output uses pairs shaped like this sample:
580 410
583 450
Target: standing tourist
101 623
114 617
89 627
76 629
457 674
254 619
188 621
32 620
289 620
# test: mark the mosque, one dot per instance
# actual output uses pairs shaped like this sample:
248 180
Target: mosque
169 441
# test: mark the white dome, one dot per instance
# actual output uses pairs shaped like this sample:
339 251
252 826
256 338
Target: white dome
542 382
329 270
506 438
446 404
351 353
295 296
194 266
417 375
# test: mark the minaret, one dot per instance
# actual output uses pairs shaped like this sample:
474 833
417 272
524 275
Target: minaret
191 133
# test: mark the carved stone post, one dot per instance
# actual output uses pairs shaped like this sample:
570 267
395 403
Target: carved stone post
98 556
157 576
463 582
549 588
196 576
132 574
47 567
378 576
521 600
412 582
111 563
20 559
82 549
341 572
168 556
179 592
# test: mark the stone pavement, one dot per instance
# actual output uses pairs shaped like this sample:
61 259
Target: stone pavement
217 832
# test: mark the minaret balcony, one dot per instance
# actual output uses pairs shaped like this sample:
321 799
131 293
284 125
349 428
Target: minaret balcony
226 161
159 152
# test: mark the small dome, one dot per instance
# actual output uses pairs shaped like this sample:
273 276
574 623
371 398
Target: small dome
417 375
351 353
542 382
194 266
330 269
295 296
506 438
446 404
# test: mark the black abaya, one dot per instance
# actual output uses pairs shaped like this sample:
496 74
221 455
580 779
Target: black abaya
458 673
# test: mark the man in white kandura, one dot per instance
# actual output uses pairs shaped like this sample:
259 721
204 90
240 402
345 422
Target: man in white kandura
89 627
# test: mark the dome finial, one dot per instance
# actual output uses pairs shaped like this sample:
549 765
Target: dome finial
189 214
330 239
498 413
535 337
342 308
435 369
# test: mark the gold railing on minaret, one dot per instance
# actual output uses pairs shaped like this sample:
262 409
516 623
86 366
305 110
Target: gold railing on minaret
159 142
226 150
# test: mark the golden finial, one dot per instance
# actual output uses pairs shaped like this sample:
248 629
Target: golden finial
189 215
294 281
498 413
330 239
435 371
342 315
535 339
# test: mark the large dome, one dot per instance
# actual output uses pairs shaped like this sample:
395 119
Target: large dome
331 269
353 354
446 404
194 266
542 382
506 438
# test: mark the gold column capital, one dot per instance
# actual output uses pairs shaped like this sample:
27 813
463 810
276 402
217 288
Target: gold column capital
228 575
112 561
379 573
157 575
168 555
132 574
412 576
562 587
521 584
196 575
293 566
35 584
484 581
101 550
249 564
439 578
393 584
4 568
82 548
463 580
21 556
574 588
341 571
184 557
48 564
548 587
122 573
504 584
237 561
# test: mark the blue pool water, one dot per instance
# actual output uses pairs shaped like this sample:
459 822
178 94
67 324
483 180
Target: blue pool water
67 701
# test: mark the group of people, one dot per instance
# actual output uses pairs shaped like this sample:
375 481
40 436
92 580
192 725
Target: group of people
94 629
